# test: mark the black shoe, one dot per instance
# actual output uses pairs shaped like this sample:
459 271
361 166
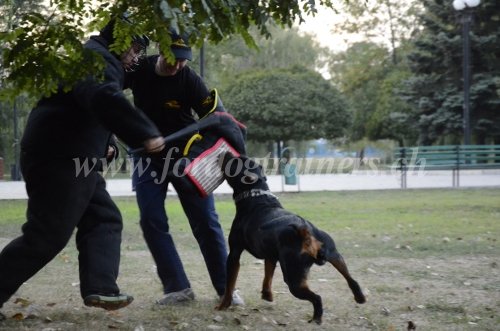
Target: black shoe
108 301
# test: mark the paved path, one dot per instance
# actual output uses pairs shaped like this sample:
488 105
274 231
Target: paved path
356 181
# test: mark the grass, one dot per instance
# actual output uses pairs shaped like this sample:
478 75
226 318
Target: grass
426 256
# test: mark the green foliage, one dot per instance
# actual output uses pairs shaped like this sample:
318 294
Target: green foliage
44 49
285 104
370 80
45 56
387 22
285 49
392 117
436 87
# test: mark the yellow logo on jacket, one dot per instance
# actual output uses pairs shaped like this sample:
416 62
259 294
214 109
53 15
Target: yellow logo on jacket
172 104
208 101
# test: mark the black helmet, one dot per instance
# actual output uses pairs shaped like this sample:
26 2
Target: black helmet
138 41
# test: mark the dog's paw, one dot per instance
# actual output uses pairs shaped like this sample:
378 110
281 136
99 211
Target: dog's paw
317 320
360 300
268 296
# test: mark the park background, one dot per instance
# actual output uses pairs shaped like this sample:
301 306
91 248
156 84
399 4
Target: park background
427 258
356 81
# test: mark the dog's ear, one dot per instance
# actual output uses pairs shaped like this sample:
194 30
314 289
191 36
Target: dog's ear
310 245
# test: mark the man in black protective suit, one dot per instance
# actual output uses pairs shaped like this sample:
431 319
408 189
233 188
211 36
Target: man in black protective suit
65 133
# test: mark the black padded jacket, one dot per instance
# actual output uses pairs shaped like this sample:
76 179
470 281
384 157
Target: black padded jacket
79 123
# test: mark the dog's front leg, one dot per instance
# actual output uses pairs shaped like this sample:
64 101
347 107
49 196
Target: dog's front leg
269 267
233 267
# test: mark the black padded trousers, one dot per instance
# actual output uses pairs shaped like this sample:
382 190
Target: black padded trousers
61 197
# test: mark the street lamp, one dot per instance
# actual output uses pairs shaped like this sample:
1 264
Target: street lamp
465 7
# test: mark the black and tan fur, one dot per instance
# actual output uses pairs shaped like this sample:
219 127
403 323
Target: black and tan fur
269 232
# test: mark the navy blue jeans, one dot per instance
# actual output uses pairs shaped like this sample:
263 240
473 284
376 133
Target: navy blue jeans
151 193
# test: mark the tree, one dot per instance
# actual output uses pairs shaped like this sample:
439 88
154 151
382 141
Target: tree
12 113
285 49
435 87
357 72
44 50
287 104
392 116
370 72
386 22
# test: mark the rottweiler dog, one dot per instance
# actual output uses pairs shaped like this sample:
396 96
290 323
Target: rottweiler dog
269 232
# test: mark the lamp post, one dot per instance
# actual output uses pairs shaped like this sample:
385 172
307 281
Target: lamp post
466 7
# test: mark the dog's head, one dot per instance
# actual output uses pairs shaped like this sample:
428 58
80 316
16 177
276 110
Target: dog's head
242 173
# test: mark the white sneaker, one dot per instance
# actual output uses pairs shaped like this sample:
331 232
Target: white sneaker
174 298
237 299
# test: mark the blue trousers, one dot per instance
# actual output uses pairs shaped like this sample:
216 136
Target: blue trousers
151 194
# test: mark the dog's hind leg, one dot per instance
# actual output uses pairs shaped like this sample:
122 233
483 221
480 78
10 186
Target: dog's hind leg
300 290
295 275
338 262
232 269
269 267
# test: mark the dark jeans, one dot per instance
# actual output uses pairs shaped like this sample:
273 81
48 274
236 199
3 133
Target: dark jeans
59 201
203 220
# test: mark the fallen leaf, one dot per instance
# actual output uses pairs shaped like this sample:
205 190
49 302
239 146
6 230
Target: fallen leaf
22 302
18 316
65 258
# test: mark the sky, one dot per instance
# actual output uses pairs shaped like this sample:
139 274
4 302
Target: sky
321 26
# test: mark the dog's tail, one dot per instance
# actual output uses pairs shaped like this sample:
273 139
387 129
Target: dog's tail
338 262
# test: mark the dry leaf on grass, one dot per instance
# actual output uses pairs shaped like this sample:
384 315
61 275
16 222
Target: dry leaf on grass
22 302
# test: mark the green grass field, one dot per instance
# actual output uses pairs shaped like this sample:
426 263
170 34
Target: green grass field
426 256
